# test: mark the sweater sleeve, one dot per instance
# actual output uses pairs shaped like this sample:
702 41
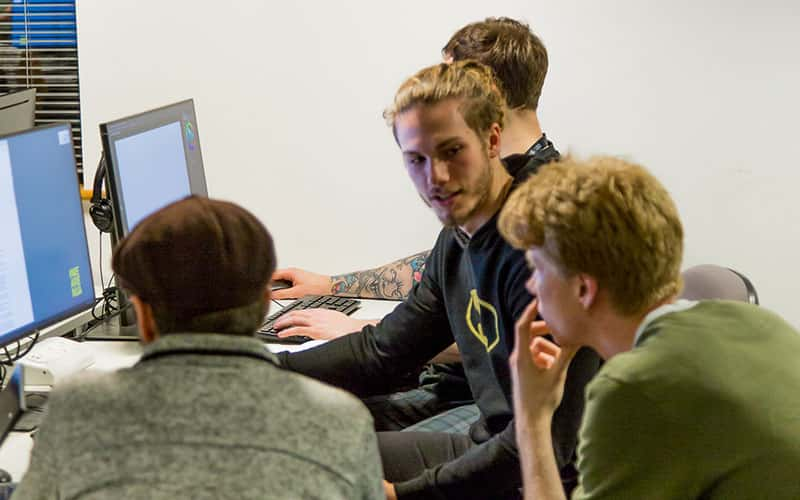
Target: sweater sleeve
370 361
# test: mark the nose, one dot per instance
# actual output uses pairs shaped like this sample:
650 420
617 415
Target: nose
438 173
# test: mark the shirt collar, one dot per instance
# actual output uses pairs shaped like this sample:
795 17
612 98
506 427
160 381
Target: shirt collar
677 306
207 343
542 144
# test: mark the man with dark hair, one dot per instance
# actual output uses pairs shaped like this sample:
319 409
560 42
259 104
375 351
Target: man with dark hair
447 121
206 411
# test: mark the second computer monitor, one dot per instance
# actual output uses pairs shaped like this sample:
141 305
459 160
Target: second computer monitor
153 158
17 111
45 274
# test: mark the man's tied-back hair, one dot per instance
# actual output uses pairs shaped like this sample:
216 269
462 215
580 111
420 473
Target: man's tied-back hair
471 81
604 217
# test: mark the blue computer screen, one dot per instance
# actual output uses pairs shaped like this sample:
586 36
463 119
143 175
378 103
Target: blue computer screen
152 171
153 158
44 258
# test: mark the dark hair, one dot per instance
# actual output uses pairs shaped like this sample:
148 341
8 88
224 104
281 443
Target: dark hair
516 55
243 320
201 264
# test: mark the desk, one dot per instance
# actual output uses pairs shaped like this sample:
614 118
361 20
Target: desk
116 354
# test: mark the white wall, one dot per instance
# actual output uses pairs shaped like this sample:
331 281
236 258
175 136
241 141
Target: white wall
289 99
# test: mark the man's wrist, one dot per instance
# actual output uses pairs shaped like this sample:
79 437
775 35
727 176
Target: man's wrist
534 425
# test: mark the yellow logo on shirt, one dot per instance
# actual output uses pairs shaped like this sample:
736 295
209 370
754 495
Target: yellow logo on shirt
476 309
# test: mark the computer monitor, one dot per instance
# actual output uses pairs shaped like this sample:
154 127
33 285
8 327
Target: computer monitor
17 111
152 159
45 274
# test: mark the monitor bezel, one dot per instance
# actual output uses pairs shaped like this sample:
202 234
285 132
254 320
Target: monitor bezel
19 98
113 191
31 328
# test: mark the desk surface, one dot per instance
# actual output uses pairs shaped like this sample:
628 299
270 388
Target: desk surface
115 354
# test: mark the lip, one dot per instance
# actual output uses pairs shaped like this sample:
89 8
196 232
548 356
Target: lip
445 202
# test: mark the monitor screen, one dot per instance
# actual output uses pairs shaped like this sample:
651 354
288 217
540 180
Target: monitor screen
17 111
44 258
153 159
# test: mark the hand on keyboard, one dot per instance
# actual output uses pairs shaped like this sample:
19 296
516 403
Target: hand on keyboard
318 324
269 333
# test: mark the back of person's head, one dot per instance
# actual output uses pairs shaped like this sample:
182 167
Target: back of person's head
470 81
516 55
202 265
604 217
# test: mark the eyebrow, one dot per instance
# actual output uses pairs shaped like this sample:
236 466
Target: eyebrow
439 146
448 141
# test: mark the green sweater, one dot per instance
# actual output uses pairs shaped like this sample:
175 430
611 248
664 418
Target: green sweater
706 405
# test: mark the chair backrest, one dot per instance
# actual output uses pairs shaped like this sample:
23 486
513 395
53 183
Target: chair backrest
708 281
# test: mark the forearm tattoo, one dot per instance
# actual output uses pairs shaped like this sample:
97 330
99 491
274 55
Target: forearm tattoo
392 281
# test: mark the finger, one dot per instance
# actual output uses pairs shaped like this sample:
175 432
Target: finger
299 330
541 344
529 314
543 352
544 360
522 327
567 353
561 355
286 293
291 319
282 274
539 328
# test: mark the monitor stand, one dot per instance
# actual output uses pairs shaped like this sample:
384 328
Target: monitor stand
122 326
113 329
127 318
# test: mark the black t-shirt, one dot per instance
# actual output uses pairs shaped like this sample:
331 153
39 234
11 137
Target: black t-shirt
471 292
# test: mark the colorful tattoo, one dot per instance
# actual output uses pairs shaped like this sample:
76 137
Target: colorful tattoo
392 281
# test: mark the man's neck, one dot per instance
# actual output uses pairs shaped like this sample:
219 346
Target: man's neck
618 332
521 130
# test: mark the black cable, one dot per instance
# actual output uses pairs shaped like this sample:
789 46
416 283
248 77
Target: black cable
30 346
99 322
108 298
11 359
100 257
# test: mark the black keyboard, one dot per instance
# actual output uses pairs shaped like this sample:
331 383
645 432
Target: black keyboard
268 333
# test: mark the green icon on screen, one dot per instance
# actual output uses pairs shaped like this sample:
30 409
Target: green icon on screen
75 281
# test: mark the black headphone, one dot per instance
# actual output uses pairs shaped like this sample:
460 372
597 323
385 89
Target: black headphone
101 211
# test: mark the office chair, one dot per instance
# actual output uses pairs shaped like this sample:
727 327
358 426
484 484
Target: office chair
708 281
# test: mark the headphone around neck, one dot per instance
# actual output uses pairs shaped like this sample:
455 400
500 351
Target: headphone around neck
100 210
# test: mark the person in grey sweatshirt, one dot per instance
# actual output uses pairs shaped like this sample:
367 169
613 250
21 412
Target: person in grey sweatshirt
206 412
